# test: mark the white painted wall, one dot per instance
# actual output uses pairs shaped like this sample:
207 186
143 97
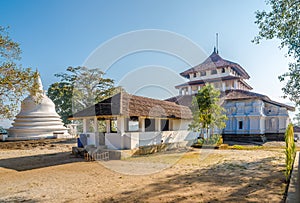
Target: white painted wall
113 140
180 124
149 138
135 139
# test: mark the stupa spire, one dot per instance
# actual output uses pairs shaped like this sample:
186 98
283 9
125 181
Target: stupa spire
37 87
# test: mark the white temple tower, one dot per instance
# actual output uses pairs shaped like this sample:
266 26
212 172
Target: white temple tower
37 118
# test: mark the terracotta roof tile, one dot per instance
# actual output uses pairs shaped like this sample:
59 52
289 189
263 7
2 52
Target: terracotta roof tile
214 61
186 100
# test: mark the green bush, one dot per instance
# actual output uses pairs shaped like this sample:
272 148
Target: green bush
213 140
290 150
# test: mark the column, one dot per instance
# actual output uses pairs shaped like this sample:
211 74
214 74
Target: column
121 124
95 124
190 90
107 124
223 86
141 124
158 124
235 84
84 127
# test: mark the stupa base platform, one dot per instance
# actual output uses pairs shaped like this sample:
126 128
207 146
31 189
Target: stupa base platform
29 138
21 134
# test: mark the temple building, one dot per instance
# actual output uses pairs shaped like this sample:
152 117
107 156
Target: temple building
132 121
222 74
250 115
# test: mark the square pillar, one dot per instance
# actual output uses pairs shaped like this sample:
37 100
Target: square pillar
235 84
223 86
158 124
96 125
141 124
84 125
121 124
190 90
107 122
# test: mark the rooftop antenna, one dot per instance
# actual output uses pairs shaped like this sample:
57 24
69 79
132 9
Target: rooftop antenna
217 42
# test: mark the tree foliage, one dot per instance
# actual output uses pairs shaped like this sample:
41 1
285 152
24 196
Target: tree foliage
79 88
207 111
283 22
14 80
61 94
296 119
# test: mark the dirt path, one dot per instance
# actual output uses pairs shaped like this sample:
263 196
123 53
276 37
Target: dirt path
52 174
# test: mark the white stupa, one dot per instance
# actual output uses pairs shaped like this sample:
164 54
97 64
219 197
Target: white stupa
37 118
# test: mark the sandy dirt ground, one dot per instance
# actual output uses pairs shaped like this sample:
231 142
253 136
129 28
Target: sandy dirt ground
48 172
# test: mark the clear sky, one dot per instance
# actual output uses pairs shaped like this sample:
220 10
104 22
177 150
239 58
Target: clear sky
55 34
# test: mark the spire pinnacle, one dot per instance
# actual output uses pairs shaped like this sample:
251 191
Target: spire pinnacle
37 84
217 43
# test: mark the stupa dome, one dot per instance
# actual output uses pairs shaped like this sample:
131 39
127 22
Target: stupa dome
45 106
37 118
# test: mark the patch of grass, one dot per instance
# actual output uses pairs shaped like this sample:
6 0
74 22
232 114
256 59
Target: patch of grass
246 147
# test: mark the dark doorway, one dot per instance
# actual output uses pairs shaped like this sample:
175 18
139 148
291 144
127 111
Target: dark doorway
164 124
149 125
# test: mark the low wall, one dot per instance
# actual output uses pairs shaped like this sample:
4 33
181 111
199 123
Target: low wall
243 138
275 136
144 150
253 138
132 140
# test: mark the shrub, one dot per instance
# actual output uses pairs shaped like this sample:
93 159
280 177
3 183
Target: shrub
290 150
213 140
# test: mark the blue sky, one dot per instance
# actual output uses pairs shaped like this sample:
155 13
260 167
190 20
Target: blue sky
60 33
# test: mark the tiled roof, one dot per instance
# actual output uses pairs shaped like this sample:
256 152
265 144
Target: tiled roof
214 61
132 105
242 94
185 100
198 82
232 95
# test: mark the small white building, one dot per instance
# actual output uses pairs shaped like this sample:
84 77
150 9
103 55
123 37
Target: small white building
132 121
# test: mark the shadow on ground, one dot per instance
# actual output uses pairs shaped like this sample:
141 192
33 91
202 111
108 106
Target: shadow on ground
38 161
29 144
230 181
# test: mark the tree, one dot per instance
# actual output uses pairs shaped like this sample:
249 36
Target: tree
14 80
79 88
296 119
283 22
207 111
61 94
